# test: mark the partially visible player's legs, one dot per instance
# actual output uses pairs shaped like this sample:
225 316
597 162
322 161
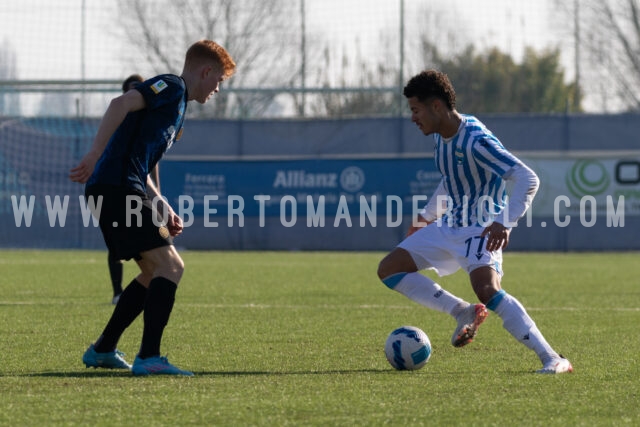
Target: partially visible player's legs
103 353
167 268
115 272
399 272
515 319
129 307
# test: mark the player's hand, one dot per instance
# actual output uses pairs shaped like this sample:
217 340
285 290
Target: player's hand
83 171
498 236
419 223
174 224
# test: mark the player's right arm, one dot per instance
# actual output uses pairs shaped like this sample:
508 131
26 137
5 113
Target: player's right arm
433 210
116 112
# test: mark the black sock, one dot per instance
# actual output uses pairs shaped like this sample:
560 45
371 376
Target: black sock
157 309
115 271
128 308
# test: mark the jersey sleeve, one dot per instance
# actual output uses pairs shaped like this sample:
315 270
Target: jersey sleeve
161 90
525 184
492 155
437 204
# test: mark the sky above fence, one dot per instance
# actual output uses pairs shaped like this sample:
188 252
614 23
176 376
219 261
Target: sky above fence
76 39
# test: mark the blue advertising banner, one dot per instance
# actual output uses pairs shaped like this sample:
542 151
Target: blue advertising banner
268 188
245 193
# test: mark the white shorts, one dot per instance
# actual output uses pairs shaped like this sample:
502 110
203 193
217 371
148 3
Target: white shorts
443 249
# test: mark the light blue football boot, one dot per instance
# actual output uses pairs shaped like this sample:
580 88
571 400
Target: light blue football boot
110 360
156 366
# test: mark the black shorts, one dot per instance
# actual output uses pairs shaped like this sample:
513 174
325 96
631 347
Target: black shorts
126 232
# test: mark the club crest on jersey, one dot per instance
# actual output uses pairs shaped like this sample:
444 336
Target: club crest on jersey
164 232
158 86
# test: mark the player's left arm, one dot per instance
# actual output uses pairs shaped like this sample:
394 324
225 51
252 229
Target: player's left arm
524 185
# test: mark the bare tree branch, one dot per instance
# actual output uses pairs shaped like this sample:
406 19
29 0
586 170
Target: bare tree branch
610 47
160 31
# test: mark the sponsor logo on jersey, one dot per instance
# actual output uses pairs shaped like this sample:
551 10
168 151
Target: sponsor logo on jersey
158 86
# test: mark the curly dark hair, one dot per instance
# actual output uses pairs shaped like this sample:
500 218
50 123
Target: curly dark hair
431 83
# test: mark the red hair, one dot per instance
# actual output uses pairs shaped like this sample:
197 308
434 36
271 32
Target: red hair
204 51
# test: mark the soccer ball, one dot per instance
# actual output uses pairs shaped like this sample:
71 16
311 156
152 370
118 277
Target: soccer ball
408 348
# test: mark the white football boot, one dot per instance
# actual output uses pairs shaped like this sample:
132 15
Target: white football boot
469 321
557 365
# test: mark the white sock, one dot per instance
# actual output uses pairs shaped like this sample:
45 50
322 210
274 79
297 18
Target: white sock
519 324
425 291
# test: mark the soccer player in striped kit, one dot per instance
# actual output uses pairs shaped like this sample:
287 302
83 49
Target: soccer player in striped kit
467 221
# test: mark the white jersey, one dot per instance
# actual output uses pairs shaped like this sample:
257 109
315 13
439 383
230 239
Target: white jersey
472 164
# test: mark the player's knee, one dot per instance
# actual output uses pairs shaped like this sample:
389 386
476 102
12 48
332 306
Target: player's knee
384 269
389 274
398 261
170 266
177 265
144 278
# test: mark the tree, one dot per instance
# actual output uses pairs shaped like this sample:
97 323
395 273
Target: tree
160 31
363 77
487 81
371 74
606 40
491 82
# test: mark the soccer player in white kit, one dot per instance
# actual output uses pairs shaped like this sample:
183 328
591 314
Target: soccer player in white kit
467 221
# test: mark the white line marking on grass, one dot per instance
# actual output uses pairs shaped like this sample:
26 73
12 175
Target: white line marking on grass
27 261
333 306
382 306
298 307
583 308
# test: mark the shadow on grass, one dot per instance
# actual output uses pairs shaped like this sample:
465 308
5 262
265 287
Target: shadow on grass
88 374
278 373
121 373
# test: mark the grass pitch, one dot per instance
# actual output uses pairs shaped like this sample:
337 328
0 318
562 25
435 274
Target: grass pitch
278 338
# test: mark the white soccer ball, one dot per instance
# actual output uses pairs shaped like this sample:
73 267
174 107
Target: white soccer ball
408 348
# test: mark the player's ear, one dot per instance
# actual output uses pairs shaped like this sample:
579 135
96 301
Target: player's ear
206 70
437 105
